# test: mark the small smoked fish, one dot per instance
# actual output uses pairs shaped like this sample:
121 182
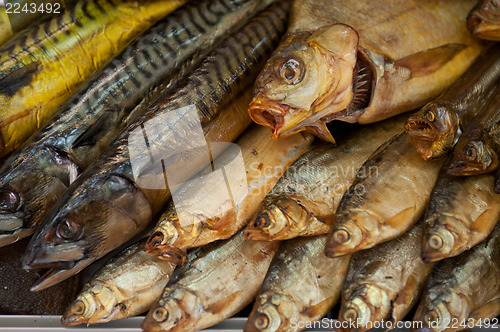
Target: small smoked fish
484 20
305 198
203 215
218 280
128 285
16 299
118 195
385 282
462 212
476 152
349 60
436 127
43 65
390 198
300 287
42 169
464 288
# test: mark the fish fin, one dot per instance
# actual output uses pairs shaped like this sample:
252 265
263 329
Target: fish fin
489 310
321 130
429 61
406 298
485 222
395 222
318 310
13 81
92 135
224 222
225 303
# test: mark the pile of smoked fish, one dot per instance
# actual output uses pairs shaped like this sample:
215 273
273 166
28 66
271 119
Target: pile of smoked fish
186 159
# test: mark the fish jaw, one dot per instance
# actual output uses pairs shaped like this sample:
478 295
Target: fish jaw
177 310
484 21
163 241
273 313
473 157
310 74
279 218
95 304
433 130
355 233
367 303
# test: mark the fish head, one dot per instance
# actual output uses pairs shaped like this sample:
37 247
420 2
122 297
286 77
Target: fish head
95 304
443 238
273 313
473 156
177 310
367 303
309 73
162 242
439 307
353 234
88 222
433 130
30 183
484 20
279 218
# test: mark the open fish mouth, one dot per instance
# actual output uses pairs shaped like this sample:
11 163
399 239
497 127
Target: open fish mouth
168 253
420 129
57 272
269 115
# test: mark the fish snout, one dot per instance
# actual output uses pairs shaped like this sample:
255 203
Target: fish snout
269 114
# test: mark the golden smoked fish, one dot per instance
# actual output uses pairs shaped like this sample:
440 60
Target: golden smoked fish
386 281
41 170
43 65
463 290
349 60
435 129
389 200
128 285
218 280
304 200
203 215
477 150
118 195
462 212
484 20
5 26
300 287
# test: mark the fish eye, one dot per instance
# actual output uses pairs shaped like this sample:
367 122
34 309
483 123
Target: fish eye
261 321
291 71
160 314
262 221
68 229
79 308
9 201
429 115
471 153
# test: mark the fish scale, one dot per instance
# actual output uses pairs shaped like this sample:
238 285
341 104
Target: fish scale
105 203
114 97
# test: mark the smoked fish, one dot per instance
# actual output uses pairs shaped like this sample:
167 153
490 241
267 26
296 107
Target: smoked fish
462 212
300 287
43 65
41 170
435 129
117 196
203 215
218 280
304 200
128 285
386 281
349 60
390 198
464 289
